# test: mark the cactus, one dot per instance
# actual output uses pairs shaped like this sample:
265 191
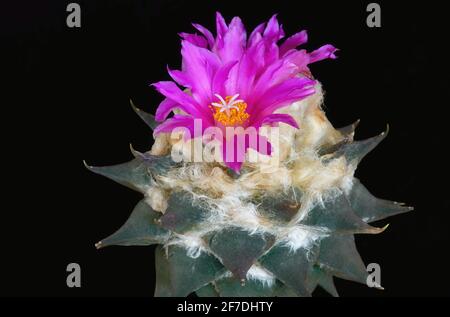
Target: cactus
277 227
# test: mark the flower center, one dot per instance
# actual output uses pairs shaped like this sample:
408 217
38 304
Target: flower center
229 111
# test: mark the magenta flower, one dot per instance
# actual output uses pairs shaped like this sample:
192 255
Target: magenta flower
232 81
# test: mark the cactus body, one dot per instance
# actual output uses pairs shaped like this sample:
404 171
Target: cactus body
280 225
260 233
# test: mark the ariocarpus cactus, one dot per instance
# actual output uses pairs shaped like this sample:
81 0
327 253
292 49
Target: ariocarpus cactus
274 212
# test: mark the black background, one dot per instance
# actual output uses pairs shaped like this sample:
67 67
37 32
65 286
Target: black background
70 91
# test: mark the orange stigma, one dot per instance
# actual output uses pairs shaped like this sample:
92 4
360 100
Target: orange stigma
229 111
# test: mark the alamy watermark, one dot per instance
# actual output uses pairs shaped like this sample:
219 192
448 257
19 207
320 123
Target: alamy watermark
374 18
73 19
74 277
374 275
224 144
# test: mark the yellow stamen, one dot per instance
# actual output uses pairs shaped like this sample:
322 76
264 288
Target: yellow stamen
234 116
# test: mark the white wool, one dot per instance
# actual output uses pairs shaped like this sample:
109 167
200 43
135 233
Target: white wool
297 237
313 175
190 150
315 130
233 210
307 203
318 179
347 180
266 178
161 145
156 198
258 273
191 241
198 177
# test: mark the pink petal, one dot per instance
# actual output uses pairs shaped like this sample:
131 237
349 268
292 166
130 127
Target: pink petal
234 149
285 71
164 109
274 74
283 94
206 33
221 25
293 41
182 121
250 66
326 51
272 53
259 143
221 29
176 121
235 166
177 98
233 152
195 39
180 77
273 31
221 77
275 118
234 41
300 58
257 31
281 32
200 65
